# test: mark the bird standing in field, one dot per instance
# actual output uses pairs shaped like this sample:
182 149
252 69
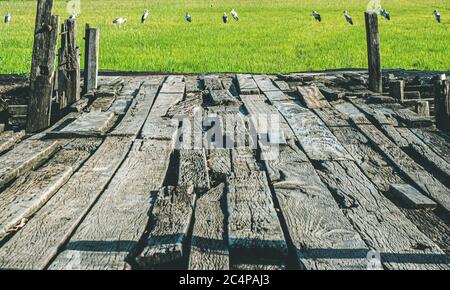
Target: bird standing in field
317 16
438 16
348 17
385 14
225 18
8 18
73 16
188 17
235 15
119 21
145 16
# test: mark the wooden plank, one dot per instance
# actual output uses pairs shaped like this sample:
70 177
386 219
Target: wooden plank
136 115
109 235
374 54
312 97
164 102
283 86
247 85
219 164
27 155
173 85
170 221
209 249
411 119
102 104
315 138
331 94
10 138
211 82
264 83
94 124
221 97
42 67
36 244
379 222
442 104
120 106
193 170
411 196
193 84
92 46
440 145
32 190
416 174
322 236
274 96
253 226
228 84
397 90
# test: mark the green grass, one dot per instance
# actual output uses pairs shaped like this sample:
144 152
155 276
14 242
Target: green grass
271 36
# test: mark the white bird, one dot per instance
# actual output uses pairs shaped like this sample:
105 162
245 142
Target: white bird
225 17
8 18
235 15
348 17
119 21
317 16
384 13
145 16
188 17
73 16
438 16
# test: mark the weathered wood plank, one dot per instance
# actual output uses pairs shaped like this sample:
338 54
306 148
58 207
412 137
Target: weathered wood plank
193 84
27 155
173 85
331 94
379 222
209 249
247 85
136 115
120 106
109 235
221 97
219 164
428 184
312 97
228 84
92 47
411 119
212 82
253 226
440 145
35 245
411 196
42 67
315 138
31 190
9 138
374 54
94 124
193 170
170 221
264 83
322 236
274 96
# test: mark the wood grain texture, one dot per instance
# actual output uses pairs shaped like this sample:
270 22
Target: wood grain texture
209 249
109 235
33 189
34 246
10 138
27 155
247 86
315 138
93 124
312 97
380 223
171 218
136 115
322 236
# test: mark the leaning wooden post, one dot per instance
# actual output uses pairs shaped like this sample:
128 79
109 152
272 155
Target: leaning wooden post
92 38
69 65
442 103
42 67
373 49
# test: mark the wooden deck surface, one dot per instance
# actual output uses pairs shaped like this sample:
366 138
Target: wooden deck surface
151 174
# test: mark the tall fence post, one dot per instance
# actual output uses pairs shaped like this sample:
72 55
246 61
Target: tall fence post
42 67
442 103
373 49
92 37
69 65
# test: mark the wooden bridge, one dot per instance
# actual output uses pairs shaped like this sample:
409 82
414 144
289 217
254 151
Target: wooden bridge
116 183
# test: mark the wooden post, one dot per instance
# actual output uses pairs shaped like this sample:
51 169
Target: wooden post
42 67
69 65
374 55
397 90
92 38
442 104
423 108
